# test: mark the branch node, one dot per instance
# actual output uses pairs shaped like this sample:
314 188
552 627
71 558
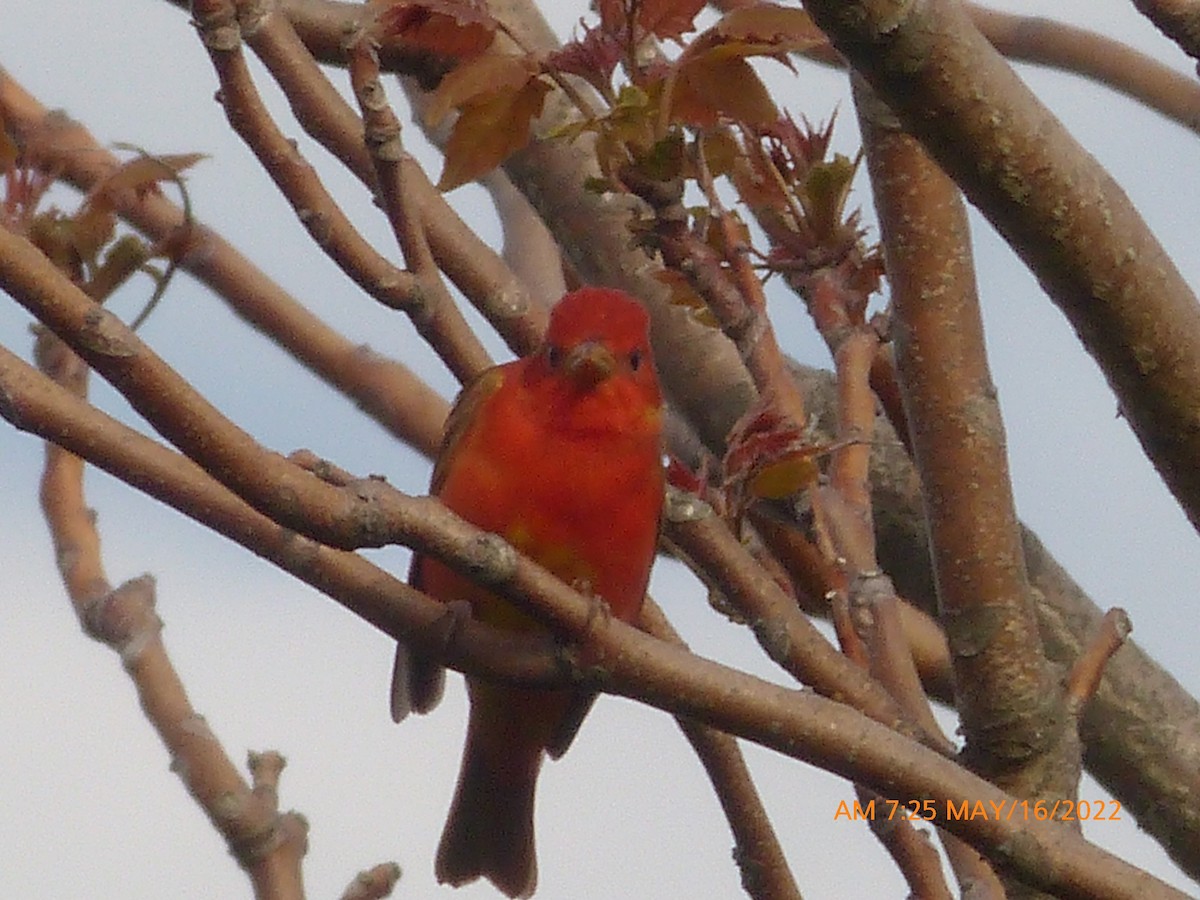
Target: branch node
105 334
490 559
265 769
123 618
252 14
1084 678
684 506
217 25
374 883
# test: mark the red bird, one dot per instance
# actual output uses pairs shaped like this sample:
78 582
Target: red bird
560 453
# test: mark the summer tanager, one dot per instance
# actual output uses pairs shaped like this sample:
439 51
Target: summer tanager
559 453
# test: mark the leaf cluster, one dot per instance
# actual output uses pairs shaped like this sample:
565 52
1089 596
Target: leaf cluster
87 243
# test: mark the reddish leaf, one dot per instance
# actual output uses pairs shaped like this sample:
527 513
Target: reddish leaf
713 84
143 173
461 29
780 28
769 456
488 74
612 15
489 128
772 173
94 222
593 57
794 147
665 19
680 476
668 19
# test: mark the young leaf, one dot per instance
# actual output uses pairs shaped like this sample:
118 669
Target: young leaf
491 73
143 173
769 456
783 29
718 83
461 29
489 128
593 57
668 20
712 79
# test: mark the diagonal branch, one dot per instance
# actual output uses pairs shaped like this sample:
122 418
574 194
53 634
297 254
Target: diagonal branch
326 117
1061 212
434 315
1177 19
268 845
1012 715
759 857
799 724
293 497
384 388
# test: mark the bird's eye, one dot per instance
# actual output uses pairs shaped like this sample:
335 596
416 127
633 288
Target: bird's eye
635 358
553 355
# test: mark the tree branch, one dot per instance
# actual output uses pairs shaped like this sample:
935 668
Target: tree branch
385 389
1061 212
434 315
797 723
1012 715
291 496
326 117
759 857
1177 19
267 845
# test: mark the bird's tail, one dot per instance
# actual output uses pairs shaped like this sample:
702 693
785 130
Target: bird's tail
489 832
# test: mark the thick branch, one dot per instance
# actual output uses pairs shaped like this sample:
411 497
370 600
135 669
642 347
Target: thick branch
291 496
1054 204
1141 732
1177 19
32 403
796 723
385 389
1012 714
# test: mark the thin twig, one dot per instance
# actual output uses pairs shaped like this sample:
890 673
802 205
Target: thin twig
373 884
325 116
759 856
1084 677
328 225
383 388
267 845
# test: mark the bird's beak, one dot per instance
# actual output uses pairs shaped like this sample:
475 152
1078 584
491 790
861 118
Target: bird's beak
589 363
